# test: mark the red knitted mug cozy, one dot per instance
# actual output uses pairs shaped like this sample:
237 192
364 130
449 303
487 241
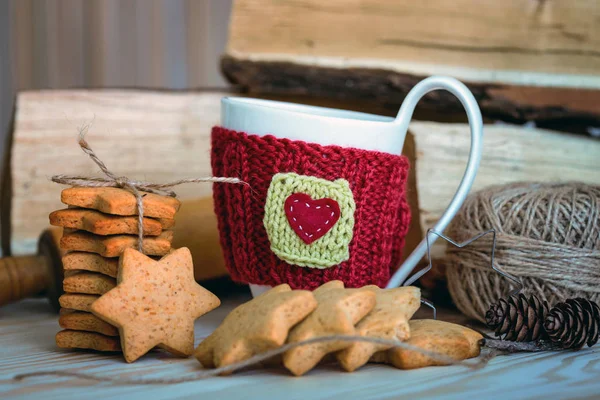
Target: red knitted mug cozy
310 213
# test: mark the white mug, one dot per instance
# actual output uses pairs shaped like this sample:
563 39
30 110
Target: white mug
358 130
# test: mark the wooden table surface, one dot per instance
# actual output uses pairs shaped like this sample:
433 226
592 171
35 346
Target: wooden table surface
27 332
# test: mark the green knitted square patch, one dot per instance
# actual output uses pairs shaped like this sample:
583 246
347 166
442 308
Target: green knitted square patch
330 249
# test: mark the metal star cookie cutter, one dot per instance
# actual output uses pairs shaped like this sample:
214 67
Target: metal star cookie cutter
422 272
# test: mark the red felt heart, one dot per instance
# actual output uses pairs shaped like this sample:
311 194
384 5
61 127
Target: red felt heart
311 219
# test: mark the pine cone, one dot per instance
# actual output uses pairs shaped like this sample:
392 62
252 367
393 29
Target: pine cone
574 323
518 318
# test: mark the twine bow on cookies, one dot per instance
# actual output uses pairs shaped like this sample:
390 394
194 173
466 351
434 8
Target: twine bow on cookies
137 188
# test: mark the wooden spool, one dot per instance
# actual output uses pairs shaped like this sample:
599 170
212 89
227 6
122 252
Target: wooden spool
31 275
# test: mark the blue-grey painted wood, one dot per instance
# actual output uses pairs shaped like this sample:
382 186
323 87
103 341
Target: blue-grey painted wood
27 344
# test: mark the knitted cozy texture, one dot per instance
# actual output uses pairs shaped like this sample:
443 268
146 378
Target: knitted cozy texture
378 185
287 243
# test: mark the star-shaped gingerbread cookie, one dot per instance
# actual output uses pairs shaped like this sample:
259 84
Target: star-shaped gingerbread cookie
452 340
116 201
338 312
254 327
155 303
388 320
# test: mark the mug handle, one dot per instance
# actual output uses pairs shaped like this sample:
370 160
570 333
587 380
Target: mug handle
403 118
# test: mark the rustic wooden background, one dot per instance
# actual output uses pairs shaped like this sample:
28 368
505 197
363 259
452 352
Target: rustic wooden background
526 61
531 62
171 44
132 129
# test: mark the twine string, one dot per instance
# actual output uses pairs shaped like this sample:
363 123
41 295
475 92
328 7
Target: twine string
257 359
137 188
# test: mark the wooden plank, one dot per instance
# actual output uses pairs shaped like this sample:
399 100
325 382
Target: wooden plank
512 41
165 136
27 341
524 60
145 135
570 109
510 154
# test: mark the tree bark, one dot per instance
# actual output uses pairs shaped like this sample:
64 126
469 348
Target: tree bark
548 107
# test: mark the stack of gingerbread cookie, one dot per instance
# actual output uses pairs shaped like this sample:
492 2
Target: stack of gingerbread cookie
99 224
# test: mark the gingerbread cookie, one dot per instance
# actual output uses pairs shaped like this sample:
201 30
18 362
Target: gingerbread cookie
120 201
105 224
69 339
155 303
88 283
259 325
78 302
84 321
337 313
113 246
388 320
452 340
79 260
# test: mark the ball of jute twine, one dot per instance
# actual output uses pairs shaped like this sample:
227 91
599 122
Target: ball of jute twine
548 236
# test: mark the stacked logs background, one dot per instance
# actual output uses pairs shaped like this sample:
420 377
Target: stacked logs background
527 62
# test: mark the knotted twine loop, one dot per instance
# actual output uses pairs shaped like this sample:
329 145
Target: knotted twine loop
259 358
133 186
547 235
